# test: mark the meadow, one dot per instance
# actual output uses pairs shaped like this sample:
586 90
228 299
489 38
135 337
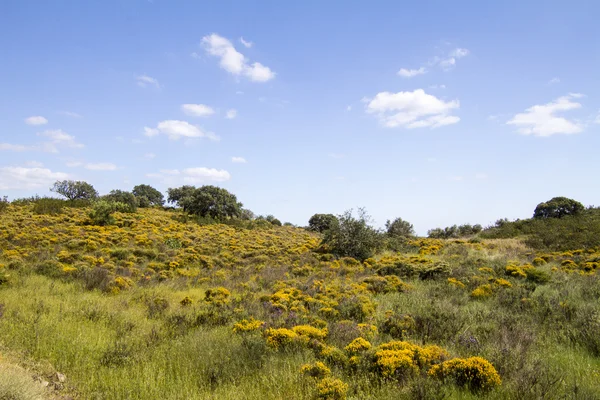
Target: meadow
158 306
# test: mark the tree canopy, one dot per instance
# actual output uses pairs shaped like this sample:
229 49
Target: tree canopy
206 201
399 228
148 196
75 190
322 222
558 207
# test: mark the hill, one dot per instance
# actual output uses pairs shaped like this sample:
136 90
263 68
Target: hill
154 307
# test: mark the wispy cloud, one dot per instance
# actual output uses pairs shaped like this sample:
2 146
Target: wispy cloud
36 120
146 81
175 129
235 62
231 114
239 160
197 110
409 73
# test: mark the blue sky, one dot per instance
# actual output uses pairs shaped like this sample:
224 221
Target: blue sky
437 112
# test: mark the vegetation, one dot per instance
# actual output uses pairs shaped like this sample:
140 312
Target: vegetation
558 207
207 201
322 222
151 304
148 196
75 190
352 237
399 228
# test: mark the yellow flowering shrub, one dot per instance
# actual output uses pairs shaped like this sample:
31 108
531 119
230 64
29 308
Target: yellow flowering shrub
316 370
482 291
476 373
310 332
247 325
217 296
331 389
280 338
357 345
456 282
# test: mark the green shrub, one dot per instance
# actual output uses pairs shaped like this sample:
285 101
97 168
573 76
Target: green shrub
48 206
4 204
353 237
102 212
123 197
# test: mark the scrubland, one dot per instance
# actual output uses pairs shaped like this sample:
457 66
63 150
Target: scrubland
157 307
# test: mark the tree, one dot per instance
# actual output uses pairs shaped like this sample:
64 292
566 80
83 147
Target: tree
207 201
148 196
176 195
399 228
273 220
353 237
322 222
75 190
558 207
125 198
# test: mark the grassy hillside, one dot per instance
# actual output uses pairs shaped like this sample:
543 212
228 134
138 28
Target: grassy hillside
155 308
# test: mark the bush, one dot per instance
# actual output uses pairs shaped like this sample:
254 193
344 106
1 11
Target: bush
4 204
475 373
331 389
353 237
322 222
102 212
48 206
75 190
126 198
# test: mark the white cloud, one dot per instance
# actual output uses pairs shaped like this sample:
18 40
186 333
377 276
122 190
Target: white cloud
198 175
349 108
437 87
15 147
58 136
450 60
36 120
145 81
73 164
150 156
597 120
150 131
481 175
415 109
554 80
176 129
409 73
233 61
231 114
100 167
240 160
71 114
459 53
201 175
35 164
541 120
245 43
28 178
197 110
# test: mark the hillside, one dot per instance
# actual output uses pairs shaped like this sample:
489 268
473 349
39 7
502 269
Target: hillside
153 307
